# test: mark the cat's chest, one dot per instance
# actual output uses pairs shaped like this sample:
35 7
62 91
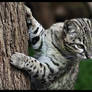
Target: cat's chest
48 47
47 43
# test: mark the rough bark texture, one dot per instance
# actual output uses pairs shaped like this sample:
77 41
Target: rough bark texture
13 38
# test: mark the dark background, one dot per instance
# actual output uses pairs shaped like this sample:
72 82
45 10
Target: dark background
48 13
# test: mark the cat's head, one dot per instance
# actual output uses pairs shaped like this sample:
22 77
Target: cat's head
77 37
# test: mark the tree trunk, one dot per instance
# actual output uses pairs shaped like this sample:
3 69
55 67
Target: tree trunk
13 38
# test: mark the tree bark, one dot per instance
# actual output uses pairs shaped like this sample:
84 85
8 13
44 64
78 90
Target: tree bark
13 38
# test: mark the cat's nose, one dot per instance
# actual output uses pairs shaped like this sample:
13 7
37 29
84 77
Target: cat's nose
89 54
90 57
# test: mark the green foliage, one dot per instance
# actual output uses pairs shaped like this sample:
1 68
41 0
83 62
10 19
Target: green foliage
31 52
84 81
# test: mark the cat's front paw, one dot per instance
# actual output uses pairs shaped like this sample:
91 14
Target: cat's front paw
28 15
17 60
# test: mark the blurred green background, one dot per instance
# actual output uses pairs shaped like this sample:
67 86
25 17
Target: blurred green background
84 81
48 13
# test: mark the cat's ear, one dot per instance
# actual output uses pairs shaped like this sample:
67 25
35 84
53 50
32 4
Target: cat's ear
69 26
69 31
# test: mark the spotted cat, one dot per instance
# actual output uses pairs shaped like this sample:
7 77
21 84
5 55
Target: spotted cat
61 47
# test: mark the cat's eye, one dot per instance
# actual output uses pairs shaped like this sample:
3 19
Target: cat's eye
80 46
